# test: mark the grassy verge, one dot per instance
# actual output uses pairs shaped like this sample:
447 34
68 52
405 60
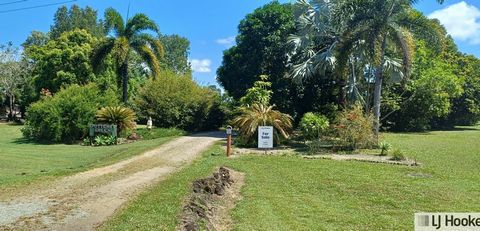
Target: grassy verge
24 162
291 193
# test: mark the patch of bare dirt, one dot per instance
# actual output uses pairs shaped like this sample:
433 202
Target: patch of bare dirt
365 158
212 200
85 200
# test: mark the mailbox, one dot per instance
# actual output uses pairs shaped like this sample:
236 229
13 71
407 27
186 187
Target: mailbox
229 130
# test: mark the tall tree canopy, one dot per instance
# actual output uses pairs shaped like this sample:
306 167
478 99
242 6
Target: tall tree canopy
127 38
177 49
76 18
62 61
259 51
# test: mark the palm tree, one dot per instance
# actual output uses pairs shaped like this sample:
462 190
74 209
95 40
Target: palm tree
262 115
127 38
382 25
339 34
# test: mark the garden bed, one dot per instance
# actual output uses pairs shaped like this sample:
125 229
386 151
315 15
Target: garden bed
364 158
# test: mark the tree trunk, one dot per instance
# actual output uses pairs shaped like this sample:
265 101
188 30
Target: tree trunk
342 98
124 73
377 94
12 103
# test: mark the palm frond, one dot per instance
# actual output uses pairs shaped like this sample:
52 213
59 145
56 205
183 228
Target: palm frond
139 23
114 21
100 52
404 40
150 58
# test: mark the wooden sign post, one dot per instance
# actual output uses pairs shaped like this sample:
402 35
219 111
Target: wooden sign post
229 140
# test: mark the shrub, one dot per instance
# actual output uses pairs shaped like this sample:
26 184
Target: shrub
398 155
103 140
313 125
123 117
177 101
260 115
354 130
65 116
385 147
155 133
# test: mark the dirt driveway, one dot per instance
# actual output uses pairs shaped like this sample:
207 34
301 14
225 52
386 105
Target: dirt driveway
85 200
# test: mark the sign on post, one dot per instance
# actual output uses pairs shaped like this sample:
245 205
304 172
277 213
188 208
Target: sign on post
265 137
102 129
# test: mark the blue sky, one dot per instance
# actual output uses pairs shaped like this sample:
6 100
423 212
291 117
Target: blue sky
211 25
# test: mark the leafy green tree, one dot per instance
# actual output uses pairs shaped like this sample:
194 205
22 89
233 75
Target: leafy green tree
129 38
76 18
13 73
36 38
176 53
260 93
174 100
62 61
260 49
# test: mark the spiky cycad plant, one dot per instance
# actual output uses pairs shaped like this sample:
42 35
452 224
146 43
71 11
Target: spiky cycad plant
123 117
262 115
128 38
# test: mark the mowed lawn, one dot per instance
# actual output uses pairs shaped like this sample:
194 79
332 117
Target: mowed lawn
23 162
291 193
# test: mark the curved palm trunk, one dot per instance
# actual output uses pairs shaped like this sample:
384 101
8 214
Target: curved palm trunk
377 94
124 76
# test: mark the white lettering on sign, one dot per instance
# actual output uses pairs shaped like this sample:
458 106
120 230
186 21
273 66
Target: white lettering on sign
265 137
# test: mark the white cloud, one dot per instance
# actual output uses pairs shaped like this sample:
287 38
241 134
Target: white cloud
461 20
229 41
201 65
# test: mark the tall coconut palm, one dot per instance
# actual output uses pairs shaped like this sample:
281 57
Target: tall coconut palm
382 25
126 38
339 34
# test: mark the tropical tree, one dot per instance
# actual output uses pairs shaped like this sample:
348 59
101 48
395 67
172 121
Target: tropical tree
123 117
335 34
262 115
126 38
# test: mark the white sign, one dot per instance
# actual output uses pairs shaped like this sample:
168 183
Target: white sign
265 137
229 130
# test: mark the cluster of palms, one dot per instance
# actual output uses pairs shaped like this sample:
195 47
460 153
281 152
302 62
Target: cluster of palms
125 38
360 41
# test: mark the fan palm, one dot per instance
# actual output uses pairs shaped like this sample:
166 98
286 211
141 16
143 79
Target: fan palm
262 115
129 37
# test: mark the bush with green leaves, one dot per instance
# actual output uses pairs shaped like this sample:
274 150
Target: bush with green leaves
123 117
177 101
385 148
313 125
398 155
354 130
65 116
104 140
262 115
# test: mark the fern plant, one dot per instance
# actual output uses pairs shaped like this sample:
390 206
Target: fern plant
261 115
123 117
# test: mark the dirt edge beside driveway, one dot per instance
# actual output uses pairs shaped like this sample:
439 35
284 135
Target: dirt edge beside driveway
85 200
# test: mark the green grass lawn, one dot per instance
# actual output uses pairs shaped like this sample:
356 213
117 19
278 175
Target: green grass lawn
23 162
291 193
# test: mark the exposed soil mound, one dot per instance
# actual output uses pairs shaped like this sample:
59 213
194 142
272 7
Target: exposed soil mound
212 198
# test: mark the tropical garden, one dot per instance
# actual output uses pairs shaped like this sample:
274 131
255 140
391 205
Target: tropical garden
370 78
